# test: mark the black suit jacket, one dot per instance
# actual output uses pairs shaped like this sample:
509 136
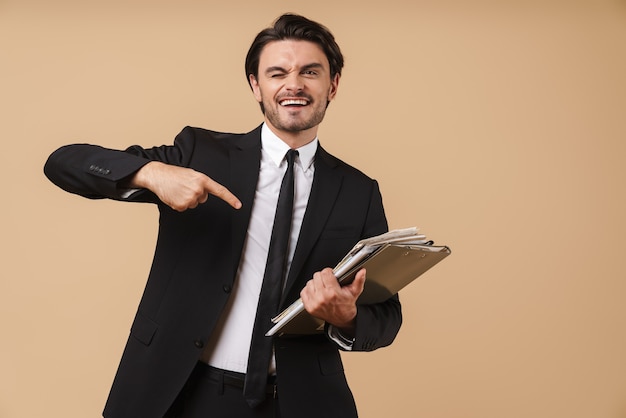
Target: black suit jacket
196 259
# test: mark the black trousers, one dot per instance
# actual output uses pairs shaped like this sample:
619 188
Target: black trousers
215 393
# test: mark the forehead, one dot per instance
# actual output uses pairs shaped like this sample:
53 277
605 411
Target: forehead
292 53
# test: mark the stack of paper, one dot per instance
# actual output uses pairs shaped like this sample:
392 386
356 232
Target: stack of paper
392 260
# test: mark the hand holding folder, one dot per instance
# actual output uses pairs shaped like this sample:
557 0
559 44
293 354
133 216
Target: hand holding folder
392 260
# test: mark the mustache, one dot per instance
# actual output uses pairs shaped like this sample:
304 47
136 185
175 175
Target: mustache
299 95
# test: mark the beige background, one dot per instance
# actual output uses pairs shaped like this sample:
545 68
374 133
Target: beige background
496 127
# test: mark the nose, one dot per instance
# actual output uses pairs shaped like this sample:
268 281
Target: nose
294 82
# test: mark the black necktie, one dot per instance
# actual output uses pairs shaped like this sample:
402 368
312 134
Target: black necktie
271 290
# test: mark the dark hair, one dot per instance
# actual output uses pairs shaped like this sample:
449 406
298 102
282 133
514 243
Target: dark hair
296 27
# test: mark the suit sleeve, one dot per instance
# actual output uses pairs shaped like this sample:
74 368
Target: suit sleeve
377 324
96 172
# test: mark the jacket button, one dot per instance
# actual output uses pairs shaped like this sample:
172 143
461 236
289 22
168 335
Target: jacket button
227 288
198 343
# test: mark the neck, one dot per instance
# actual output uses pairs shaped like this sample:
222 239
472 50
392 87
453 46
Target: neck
294 139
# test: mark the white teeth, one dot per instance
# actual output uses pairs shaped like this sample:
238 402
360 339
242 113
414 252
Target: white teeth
288 102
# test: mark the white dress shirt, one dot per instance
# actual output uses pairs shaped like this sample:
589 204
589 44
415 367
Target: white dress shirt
229 345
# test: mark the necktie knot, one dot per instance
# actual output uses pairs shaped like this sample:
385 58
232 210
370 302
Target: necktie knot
291 157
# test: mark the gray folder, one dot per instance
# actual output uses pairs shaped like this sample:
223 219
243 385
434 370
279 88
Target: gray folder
390 267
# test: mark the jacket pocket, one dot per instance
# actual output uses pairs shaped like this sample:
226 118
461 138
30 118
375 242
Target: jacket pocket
339 233
330 362
143 329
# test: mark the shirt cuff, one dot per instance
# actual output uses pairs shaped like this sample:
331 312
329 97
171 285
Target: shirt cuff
126 193
339 338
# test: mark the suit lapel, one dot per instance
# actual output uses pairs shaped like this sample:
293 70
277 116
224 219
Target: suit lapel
324 191
245 160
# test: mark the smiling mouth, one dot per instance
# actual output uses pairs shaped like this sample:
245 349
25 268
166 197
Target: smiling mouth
294 102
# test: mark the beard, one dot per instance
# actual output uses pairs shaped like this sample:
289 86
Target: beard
293 122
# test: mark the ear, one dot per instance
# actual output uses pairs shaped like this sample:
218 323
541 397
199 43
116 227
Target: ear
334 85
255 88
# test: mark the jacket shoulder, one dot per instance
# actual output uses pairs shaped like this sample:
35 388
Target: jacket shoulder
226 138
339 164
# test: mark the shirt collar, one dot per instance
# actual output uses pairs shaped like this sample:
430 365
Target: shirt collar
276 148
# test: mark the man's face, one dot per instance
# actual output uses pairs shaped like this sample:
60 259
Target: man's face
294 86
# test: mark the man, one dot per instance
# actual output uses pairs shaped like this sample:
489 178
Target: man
192 344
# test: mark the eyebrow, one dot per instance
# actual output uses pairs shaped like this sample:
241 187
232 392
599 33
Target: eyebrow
311 66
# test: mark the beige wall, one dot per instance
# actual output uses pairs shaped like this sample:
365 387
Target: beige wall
499 130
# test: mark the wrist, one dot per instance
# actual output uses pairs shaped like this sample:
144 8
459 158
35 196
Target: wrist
347 328
141 179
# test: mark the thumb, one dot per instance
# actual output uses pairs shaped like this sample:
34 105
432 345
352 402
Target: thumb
356 287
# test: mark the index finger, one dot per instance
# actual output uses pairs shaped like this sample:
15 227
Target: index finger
216 189
328 278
